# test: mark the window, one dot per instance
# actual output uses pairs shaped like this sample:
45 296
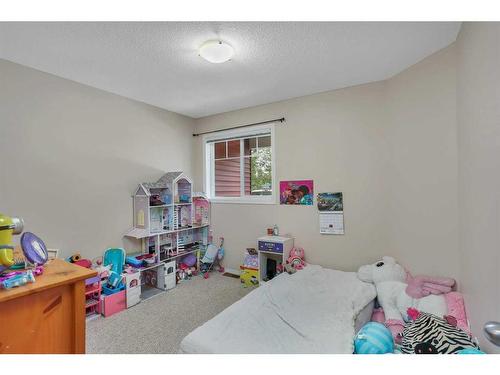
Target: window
239 165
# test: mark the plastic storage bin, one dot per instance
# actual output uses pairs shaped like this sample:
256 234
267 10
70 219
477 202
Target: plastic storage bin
113 303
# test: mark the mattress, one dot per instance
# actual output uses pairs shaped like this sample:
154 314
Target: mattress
316 310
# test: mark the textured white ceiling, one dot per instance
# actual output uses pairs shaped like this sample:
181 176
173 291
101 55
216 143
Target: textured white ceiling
158 63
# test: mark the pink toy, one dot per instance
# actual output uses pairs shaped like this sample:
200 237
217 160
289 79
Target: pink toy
296 258
413 314
456 308
378 315
422 286
398 290
396 327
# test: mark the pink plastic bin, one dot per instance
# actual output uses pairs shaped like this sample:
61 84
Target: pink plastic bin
113 303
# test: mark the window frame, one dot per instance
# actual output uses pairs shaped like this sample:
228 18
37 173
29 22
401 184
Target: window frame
209 163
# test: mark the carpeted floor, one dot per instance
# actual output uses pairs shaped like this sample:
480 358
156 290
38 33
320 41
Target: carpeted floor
159 324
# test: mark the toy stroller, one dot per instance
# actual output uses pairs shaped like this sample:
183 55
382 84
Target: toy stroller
211 258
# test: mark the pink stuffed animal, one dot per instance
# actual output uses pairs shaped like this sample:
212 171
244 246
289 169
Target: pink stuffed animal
296 258
423 286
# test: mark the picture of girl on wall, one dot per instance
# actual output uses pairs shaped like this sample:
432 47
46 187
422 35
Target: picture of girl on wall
297 192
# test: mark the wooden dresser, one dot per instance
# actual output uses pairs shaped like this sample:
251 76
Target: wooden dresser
47 316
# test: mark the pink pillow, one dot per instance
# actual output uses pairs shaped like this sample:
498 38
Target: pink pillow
456 308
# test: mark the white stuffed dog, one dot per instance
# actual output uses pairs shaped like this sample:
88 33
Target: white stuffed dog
390 280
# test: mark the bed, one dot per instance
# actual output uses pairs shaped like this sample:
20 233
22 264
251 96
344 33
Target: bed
316 310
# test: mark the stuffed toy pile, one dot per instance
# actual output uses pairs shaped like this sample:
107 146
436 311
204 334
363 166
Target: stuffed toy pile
430 334
397 291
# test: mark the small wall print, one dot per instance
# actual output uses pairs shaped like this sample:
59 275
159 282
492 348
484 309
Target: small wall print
330 202
299 192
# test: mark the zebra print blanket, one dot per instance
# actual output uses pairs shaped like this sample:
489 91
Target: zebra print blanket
429 334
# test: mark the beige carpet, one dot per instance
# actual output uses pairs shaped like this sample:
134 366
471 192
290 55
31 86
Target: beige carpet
159 324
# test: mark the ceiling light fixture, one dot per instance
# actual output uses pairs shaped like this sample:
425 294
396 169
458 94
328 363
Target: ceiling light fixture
216 51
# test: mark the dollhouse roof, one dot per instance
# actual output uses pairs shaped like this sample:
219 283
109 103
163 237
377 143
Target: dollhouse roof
165 181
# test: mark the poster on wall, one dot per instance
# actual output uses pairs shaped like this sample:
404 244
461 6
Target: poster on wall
330 202
298 192
331 213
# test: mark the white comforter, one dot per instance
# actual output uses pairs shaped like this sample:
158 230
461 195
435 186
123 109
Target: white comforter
311 311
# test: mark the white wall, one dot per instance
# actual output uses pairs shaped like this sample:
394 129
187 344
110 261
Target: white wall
73 155
422 169
478 95
336 139
389 146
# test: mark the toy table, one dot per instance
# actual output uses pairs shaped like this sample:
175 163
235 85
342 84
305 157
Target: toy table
47 316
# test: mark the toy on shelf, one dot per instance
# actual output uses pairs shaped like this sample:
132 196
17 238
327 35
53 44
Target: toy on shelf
102 271
189 260
201 209
182 270
149 261
133 261
155 200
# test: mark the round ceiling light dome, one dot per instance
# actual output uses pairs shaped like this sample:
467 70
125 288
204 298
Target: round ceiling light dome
216 51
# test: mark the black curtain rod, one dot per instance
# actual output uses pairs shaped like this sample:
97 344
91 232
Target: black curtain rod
241 126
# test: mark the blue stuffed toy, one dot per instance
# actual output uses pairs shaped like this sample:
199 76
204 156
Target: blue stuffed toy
470 351
373 338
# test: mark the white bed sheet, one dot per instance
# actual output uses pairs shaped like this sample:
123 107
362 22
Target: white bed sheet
311 311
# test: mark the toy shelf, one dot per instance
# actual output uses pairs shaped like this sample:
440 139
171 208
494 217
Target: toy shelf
149 267
92 295
92 291
140 233
181 254
91 302
171 222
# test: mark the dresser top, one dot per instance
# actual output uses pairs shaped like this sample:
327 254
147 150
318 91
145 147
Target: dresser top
55 273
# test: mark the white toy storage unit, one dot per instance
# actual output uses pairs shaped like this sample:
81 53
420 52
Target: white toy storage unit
171 222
